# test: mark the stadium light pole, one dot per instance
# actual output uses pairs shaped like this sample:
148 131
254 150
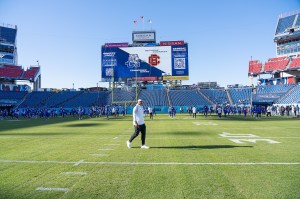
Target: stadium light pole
98 94
113 84
136 86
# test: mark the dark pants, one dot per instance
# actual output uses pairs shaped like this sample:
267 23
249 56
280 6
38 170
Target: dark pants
151 115
137 130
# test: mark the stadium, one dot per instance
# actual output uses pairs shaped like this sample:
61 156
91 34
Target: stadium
47 152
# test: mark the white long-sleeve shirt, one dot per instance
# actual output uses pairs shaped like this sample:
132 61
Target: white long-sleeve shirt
138 115
194 110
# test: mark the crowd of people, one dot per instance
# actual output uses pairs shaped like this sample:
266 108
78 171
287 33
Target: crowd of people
254 111
80 112
117 110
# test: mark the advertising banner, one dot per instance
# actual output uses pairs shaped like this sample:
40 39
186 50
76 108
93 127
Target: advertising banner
143 36
172 43
149 61
116 45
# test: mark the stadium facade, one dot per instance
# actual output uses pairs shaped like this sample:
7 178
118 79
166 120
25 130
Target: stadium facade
287 34
285 67
14 77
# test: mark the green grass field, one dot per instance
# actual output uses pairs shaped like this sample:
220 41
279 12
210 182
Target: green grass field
188 158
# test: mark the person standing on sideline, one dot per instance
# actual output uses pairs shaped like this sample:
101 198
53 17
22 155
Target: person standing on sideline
219 111
194 109
139 125
150 110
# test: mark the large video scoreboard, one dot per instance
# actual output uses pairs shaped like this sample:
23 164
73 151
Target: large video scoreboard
147 62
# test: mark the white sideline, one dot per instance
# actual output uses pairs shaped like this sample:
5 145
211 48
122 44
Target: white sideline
154 163
52 189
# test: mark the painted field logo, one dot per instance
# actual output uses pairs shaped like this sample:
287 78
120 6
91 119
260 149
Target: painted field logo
154 60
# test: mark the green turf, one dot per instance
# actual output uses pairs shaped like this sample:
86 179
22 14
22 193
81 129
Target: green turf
34 153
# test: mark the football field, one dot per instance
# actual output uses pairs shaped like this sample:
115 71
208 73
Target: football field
208 157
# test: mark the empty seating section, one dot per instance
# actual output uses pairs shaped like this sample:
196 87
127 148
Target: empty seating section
30 73
279 63
187 98
12 66
10 72
281 88
298 21
123 95
88 99
154 97
55 100
36 99
255 67
271 93
216 95
241 95
284 94
285 23
295 63
291 97
12 95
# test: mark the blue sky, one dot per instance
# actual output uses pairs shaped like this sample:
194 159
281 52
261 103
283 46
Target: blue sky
66 36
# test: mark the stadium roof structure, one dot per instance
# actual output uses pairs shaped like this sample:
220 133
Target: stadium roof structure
288 26
8 47
287 39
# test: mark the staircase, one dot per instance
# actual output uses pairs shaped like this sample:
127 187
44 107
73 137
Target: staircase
229 97
295 21
60 104
286 94
289 64
23 99
199 91
169 98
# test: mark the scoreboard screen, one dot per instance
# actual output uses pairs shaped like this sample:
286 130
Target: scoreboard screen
157 62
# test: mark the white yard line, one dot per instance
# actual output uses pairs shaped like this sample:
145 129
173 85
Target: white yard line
96 154
74 173
79 162
36 161
152 163
52 189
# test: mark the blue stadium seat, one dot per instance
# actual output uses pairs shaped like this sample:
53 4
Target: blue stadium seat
187 98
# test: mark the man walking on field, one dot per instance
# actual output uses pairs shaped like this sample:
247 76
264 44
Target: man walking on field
139 125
